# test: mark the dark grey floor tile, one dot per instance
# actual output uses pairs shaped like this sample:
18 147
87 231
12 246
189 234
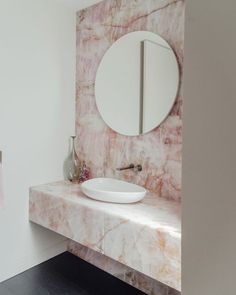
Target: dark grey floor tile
66 275
5 291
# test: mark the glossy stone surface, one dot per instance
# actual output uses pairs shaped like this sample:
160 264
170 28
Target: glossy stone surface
159 151
128 275
145 236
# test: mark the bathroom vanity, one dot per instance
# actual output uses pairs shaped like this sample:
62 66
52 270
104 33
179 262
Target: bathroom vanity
144 236
128 110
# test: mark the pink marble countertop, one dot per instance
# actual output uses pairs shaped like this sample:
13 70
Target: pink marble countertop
145 236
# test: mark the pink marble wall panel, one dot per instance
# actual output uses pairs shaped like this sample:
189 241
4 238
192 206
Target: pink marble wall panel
159 151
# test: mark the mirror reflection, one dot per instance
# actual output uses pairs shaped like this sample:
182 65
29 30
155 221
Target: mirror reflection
137 83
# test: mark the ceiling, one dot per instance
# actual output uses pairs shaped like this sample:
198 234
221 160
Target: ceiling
79 4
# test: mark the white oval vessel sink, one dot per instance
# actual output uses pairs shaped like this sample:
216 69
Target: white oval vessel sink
113 190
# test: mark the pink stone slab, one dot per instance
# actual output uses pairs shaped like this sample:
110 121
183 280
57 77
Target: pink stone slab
159 151
128 275
145 236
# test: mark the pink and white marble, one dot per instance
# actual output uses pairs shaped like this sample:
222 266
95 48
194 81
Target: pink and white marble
139 243
159 151
121 271
144 236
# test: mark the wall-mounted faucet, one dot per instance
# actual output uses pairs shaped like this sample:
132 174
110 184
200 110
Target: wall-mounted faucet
136 168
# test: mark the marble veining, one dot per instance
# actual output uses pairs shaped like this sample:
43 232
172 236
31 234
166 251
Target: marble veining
139 243
159 151
145 236
128 275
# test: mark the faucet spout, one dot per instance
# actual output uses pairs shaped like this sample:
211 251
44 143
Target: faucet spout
131 166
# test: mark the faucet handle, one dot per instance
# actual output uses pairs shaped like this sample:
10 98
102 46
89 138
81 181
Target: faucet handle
138 168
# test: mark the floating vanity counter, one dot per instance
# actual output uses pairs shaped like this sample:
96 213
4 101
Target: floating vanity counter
145 236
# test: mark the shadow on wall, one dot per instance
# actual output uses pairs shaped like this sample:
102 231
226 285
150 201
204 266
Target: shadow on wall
1 182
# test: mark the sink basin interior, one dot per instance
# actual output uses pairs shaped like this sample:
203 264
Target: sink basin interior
113 190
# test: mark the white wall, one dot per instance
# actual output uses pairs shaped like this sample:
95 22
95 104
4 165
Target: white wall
37 65
79 4
209 156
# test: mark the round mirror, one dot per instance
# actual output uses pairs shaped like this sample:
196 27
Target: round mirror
137 83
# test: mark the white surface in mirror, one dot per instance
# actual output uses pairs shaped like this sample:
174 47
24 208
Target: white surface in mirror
119 84
158 93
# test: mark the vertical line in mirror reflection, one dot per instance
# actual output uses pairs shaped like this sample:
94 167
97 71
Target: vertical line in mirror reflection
141 87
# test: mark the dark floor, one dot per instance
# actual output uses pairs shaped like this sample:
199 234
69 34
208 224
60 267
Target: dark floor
66 275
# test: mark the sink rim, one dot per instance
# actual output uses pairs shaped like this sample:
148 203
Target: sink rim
117 180
112 196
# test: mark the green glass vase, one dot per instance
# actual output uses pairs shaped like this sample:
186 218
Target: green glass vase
72 165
